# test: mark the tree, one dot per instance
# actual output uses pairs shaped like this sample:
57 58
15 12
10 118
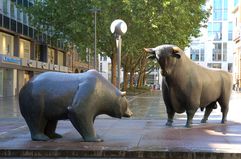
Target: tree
150 23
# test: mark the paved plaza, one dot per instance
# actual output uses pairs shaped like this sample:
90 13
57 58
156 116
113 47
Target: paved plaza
143 136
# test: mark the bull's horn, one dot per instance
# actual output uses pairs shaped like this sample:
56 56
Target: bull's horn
176 49
150 50
123 93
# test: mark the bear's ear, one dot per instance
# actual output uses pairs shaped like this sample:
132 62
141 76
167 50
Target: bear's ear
123 93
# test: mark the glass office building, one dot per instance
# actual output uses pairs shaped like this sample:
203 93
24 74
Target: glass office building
24 51
214 48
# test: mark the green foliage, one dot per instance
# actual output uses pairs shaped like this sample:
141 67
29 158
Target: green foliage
150 23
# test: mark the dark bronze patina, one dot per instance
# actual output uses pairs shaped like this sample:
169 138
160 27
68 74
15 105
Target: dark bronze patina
186 86
54 96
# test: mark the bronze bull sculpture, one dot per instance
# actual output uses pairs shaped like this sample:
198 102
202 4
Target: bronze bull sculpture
54 96
186 86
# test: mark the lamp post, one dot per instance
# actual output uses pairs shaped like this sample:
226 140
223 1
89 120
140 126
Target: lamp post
118 27
95 10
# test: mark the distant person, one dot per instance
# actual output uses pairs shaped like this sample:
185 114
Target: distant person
237 85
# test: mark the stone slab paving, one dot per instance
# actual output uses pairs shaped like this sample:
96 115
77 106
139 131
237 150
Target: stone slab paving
131 139
142 136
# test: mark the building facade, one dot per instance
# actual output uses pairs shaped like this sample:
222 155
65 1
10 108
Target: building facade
237 44
214 49
24 51
105 67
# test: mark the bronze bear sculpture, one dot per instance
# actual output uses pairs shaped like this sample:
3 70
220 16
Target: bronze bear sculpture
186 86
53 96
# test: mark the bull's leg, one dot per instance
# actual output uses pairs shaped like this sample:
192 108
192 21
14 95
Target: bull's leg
170 116
224 110
224 104
190 115
168 104
50 129
208 111
84 125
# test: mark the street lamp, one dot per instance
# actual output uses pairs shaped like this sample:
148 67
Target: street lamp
118 27
95 10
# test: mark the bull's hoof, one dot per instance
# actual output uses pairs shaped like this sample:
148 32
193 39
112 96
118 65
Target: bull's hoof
54 136
93 139
204 121
169 123
40 137
224 121
188 125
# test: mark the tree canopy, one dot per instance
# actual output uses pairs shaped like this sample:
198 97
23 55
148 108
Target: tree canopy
150 23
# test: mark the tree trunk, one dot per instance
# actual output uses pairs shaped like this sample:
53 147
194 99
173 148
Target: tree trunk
125 79
142 68
113 68
132 78
140 79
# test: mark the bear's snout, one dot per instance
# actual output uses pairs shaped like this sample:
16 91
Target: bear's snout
128 113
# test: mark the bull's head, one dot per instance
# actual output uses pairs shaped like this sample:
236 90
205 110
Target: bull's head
166 55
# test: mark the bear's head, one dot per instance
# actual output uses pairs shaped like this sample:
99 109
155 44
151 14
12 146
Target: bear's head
123 105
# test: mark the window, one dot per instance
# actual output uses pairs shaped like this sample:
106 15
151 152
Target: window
50 56
236 2
210 30
217 52
1 20
202 54
230 67
215 65
217 9
37 52
224 51
12 9
13 25
101 67
230 31
60 58
19 15
6 44
225 10
5 7
217 31
24 49
195 54
25 18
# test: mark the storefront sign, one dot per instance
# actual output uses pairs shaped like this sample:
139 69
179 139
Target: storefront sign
11 60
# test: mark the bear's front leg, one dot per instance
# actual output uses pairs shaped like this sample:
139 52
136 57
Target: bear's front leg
84 125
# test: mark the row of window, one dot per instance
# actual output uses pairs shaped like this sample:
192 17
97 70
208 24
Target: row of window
197 54
220 9
12 18
219 52
8 8
219 65
23 29
41 52
215 30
